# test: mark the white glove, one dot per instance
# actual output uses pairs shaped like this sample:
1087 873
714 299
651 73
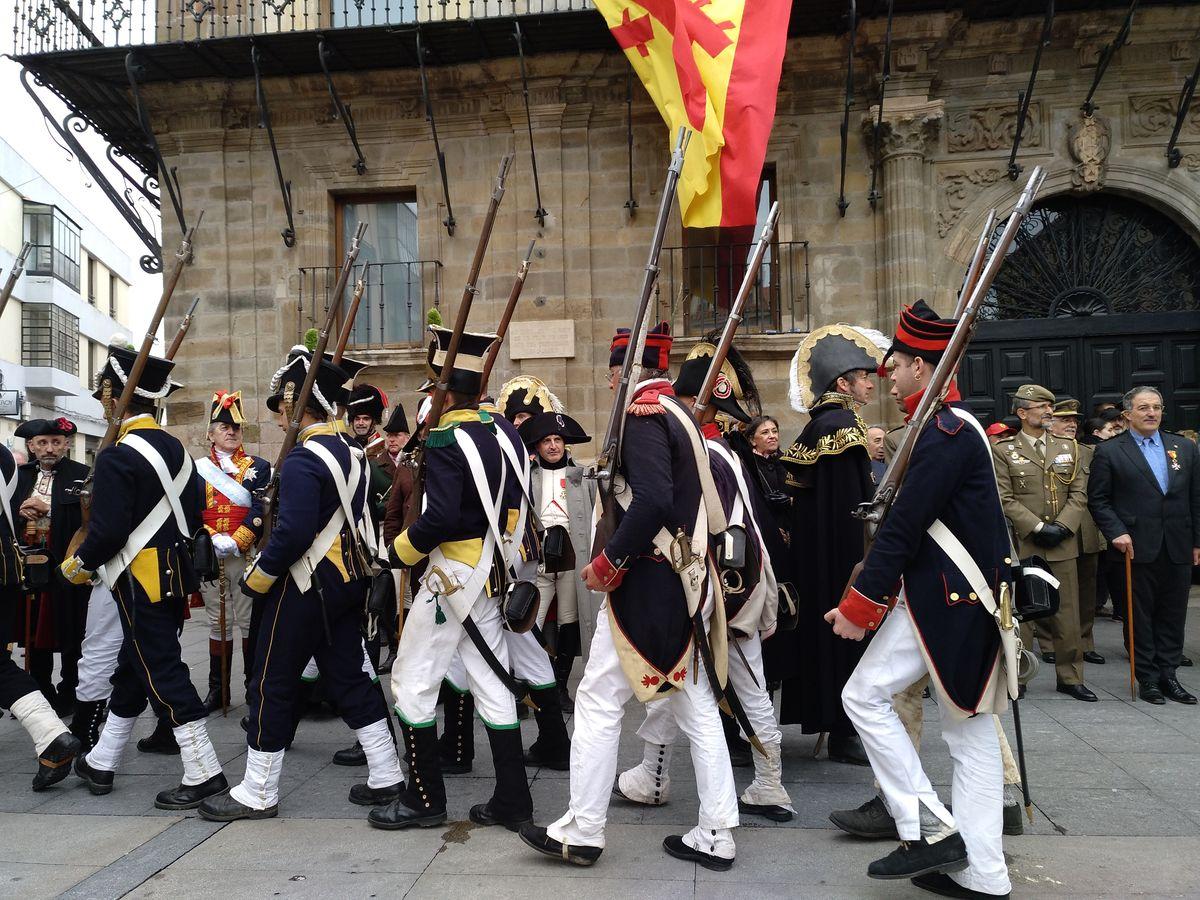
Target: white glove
224 546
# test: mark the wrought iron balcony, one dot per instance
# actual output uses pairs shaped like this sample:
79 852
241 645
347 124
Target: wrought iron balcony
396 297
47 26
698 283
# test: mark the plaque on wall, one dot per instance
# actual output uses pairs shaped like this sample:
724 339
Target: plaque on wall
547 339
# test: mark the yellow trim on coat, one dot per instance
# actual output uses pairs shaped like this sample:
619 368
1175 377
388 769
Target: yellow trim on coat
259 581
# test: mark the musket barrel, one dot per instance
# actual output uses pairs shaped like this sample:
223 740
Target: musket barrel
14 274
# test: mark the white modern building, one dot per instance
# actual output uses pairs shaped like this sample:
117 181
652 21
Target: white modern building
70 301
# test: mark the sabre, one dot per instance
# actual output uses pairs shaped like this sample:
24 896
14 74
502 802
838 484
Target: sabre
222 590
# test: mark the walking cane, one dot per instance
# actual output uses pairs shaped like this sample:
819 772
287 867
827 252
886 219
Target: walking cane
222 586
28 626
1129 619
400 606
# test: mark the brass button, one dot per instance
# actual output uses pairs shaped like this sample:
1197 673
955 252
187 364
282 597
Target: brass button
1007 561
870 624
973 596
167 571
954 596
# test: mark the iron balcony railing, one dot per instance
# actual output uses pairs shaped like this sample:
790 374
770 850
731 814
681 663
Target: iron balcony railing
698 282
396 298
46 26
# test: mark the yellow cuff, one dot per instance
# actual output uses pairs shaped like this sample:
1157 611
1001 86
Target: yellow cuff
244 538
409 555
259 581
74 571
511 525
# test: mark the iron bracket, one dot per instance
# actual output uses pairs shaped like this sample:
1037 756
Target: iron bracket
540 212
437 146
168 178
852 18
285 187
631 204
74 123
341 110
1026 95
1174 156
873 195
1106 57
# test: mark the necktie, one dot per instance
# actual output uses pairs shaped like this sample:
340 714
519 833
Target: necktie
1040 446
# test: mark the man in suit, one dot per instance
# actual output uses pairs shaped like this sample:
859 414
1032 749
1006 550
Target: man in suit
1145 496
1043 487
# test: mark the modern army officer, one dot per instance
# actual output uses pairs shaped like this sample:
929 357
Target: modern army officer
1043 486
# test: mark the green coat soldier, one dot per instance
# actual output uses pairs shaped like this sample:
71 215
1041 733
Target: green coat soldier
1065 424
1043 486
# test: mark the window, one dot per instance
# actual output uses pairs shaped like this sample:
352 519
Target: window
392 310
92 365
714 264
91 278
49 337
55 240
113 285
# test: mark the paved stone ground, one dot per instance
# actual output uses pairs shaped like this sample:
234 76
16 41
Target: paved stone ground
1115 784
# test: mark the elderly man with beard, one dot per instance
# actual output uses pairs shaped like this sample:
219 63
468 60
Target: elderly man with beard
51 618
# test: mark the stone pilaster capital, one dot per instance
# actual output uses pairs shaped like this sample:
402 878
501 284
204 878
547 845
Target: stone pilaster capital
910 126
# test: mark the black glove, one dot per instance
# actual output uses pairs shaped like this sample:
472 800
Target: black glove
1051 535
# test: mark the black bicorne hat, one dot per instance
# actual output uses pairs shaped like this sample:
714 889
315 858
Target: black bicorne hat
467 376
327 390
154 384
543 425
397 422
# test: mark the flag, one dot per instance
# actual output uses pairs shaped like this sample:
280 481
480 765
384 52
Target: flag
712 66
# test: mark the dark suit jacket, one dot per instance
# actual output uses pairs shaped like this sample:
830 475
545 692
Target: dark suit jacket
65 513
1124 497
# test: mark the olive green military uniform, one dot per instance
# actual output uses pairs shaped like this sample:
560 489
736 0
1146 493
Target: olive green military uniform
1037 488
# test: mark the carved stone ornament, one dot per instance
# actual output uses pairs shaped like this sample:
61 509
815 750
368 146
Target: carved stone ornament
1153 115
991 128
958 191
1089 140
909 128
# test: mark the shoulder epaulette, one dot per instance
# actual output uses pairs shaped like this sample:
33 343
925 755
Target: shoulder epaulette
443 435
646 404
948 422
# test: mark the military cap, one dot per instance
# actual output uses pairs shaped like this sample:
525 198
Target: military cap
1067 408
467 376
824 355
1034 393
545 424
366 399
921 332
226 406
657 354
735 392
60 427
328 388
397 422
526 394
154 384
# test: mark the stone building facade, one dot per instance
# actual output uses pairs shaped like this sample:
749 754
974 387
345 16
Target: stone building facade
949 121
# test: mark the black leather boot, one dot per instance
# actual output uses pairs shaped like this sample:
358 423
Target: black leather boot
98 781
54 763
422 803
552 749
161 740
920 857
457 745
848 749
85 725
510 805
216 679
564 659
351 756
871 820
189 796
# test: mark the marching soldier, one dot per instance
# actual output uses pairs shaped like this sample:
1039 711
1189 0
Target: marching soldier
938 624
1043 485
365 409
643 646
55 746
1065 424
751 597
145 505
311 579
233 516
462 537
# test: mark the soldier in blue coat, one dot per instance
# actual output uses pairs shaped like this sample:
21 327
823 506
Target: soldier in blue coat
943 543
145 507
311 581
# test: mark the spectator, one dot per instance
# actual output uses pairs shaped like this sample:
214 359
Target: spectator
1115 419
998 432
875 437
760 452
1144 493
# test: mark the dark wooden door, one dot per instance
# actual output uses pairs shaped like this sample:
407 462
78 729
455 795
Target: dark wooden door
1090 358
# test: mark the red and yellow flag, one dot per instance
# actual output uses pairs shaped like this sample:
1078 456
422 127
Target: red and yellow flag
712 66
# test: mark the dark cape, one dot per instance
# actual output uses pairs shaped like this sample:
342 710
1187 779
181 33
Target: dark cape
58 616
828 473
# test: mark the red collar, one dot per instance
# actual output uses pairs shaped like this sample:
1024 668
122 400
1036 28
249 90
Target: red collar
711 431
911 401
650 391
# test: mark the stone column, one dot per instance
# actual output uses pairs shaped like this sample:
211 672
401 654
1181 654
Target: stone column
909 128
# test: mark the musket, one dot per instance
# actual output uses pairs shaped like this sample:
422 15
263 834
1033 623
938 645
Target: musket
606 463
300 402
182 331
976 266
14 274
437 402
505 317
875 510
117 413
735 313
348 326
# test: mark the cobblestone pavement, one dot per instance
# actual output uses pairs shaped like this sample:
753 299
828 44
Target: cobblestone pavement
1115 786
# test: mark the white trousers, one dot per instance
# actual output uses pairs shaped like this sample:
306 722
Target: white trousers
891 663
599 705
529 660
237 604
426 655
101 645
561 585
660 726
